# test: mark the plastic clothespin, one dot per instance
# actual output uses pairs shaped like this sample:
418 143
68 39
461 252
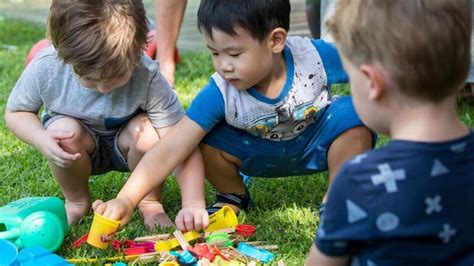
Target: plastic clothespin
80 241
256 253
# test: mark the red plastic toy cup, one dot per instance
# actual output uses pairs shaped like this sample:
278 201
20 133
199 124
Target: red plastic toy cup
245 230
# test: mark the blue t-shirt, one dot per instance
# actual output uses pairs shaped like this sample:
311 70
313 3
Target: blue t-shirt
408 203
312 66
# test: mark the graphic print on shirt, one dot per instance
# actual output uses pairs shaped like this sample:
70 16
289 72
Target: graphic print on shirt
438 168
433 204
388 177
290 118
354 212
304 94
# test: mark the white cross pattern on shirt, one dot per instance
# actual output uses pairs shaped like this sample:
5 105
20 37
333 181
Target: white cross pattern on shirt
358 159
433 204
388 177
447 233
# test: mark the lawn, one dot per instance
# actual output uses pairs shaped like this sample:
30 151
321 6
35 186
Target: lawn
286 208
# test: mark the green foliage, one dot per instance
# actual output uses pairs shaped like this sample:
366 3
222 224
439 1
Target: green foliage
280 217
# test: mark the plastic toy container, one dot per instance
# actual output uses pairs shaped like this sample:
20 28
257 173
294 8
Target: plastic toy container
223 218
102 231
34 221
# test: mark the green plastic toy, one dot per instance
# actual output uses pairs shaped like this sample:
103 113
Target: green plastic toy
34 221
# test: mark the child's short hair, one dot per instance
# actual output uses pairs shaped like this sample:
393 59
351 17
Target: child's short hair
104 36
258 17
423 44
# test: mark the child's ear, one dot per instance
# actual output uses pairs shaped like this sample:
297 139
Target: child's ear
277 39
376 79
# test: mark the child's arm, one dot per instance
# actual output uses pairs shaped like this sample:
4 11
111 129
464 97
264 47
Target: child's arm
190 177
27 127
153 169
316 257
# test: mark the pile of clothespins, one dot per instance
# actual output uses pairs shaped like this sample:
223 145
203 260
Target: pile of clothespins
226 246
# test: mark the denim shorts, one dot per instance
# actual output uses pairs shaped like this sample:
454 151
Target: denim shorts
107 155
305 154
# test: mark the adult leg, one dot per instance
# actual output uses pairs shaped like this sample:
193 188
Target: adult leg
221 171
134 141
73 179
169 16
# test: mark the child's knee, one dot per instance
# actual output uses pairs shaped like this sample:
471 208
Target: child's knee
139 135
80 142
72 145
362 135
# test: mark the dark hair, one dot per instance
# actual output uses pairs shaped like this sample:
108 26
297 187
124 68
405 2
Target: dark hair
107 36
258 17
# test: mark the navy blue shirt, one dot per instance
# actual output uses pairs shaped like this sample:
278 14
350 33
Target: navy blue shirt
408 203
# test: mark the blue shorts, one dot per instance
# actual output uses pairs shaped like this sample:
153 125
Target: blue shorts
305 154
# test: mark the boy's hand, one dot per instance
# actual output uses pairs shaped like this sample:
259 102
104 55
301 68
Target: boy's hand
116 209
192 218
48 143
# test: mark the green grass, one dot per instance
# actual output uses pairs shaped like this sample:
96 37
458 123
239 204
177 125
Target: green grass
281 218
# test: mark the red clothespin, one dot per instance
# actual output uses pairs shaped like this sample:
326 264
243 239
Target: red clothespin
116 244
128 243
216 251
202 250
80 241
136 250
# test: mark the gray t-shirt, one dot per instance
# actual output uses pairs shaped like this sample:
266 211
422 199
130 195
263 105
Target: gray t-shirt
50 83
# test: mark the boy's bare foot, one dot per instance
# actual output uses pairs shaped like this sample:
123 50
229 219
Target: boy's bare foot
154 214
76 210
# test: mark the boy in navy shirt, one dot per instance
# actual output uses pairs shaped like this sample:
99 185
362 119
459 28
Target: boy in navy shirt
410 202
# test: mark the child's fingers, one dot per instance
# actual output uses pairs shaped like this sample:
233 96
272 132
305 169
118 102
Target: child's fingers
123 222
180 226
114 213
58 134
76 156
189 222
205 219
198 221
179 222
99 206
63 156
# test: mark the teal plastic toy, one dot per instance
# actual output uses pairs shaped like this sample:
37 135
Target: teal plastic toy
34 221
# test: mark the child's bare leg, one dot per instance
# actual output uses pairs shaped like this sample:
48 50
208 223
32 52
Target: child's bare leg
349 144
134 141
221 171
73 179
152 210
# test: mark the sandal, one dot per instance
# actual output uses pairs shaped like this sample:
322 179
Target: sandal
243 202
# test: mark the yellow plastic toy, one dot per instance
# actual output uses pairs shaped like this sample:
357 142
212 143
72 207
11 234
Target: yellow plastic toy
223 218
167 245
102 231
